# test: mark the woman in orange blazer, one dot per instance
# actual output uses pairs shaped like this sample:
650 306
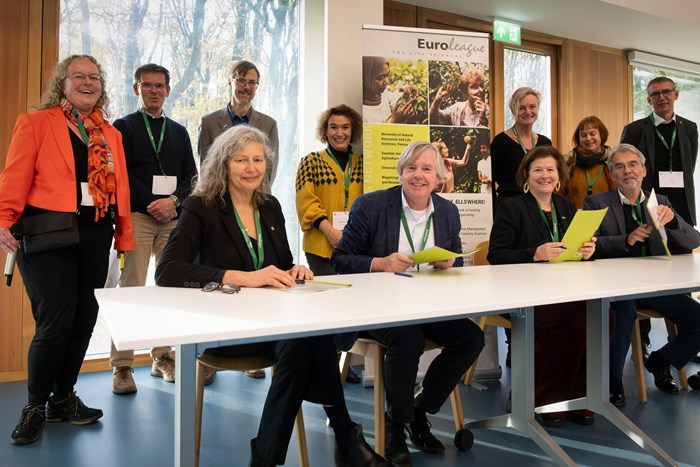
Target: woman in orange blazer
64 158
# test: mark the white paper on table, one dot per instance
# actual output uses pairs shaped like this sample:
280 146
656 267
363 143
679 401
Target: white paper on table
653 211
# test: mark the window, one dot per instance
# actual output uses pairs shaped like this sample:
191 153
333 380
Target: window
197 40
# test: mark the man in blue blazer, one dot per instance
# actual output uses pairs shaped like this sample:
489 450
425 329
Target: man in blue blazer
627 231
385 227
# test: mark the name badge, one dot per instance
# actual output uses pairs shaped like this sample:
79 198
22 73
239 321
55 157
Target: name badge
340 219
671 179
86 196
164 185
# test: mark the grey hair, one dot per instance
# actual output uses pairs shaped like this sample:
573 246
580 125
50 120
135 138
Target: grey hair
212 183
624 147
414 150
519 95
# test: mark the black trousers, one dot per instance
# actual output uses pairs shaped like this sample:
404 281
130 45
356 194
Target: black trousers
307 369
61 287
462 341
319 265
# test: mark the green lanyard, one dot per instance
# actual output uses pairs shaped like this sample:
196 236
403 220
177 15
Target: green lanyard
260 256
590 182
83 133
637 216
347 175
664 142
554 233
157 148
426 233
517 135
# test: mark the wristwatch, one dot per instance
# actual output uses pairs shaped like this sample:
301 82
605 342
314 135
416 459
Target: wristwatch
176 201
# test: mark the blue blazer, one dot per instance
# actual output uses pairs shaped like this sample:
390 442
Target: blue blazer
612 234
374 225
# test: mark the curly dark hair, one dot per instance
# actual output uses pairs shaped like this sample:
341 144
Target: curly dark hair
344 111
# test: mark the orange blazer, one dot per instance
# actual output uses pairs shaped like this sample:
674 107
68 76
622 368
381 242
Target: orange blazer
40 171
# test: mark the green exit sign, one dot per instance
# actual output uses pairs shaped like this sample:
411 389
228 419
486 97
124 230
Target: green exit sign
504 31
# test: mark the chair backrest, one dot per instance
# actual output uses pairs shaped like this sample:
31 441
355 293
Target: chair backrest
480 256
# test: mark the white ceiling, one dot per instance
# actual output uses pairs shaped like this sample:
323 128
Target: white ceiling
670 28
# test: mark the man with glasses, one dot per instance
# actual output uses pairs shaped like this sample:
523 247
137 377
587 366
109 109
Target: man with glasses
244 80
161 168
670 143
627 231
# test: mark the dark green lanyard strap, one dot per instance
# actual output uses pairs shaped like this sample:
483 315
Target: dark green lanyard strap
517 135
156 148
639 219
554 233
426 233
347 175
664 142
260 256
83 133
590 182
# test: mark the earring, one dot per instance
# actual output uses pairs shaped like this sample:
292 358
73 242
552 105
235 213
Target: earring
556 188
526 187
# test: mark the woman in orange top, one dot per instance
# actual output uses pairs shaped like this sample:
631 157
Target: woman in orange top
64 159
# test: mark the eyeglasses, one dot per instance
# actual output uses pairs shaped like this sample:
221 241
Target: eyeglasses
665 93
633 165
242 82
84 78
149 86
225 288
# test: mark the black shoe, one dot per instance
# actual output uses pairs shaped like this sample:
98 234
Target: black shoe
396 450
617 392
581 417
696 359
694 381
351 450
661 369
71 409
421 437
353 377
30 424
255 459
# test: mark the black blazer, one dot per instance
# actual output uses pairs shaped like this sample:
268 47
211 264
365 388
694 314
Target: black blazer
207 240
518 228
612 236
641 134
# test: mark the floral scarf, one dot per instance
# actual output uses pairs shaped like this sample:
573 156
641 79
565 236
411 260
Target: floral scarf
101 179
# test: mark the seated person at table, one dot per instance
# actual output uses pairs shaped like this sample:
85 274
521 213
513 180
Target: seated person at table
627 231
232 233
529 228
384 227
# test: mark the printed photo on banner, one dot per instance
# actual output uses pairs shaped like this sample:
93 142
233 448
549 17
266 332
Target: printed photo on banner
459 94
461 151
394 91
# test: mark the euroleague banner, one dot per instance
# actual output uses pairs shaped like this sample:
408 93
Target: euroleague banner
430 85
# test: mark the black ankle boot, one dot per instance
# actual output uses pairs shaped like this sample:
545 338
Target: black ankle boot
351 450
255 459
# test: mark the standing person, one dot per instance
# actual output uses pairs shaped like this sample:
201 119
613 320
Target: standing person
327 184
243 81
471 108
528 229
161 168
626 231
448 183
509 147
483 170
231 232
384 227
65 161
587 161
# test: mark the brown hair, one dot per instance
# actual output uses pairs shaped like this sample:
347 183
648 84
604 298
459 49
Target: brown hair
344 111
540 152
590 122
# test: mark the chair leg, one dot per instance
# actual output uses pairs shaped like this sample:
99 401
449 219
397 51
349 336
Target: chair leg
469 376
379 422
301 439
672 333
638 364
199 403
456 400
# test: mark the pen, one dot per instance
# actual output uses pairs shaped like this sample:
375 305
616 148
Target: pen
404 274
121 260
313 281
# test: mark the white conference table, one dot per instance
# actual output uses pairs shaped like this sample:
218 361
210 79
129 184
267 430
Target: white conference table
192 320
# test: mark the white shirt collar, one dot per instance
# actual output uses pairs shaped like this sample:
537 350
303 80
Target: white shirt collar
658 120
162 113
410 212
625 201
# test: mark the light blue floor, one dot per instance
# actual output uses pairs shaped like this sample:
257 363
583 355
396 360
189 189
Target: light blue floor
137 430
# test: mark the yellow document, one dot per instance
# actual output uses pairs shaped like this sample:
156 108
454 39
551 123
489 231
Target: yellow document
582 228
435 253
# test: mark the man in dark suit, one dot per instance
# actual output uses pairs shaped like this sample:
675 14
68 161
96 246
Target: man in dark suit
627 231
243 82
383 228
